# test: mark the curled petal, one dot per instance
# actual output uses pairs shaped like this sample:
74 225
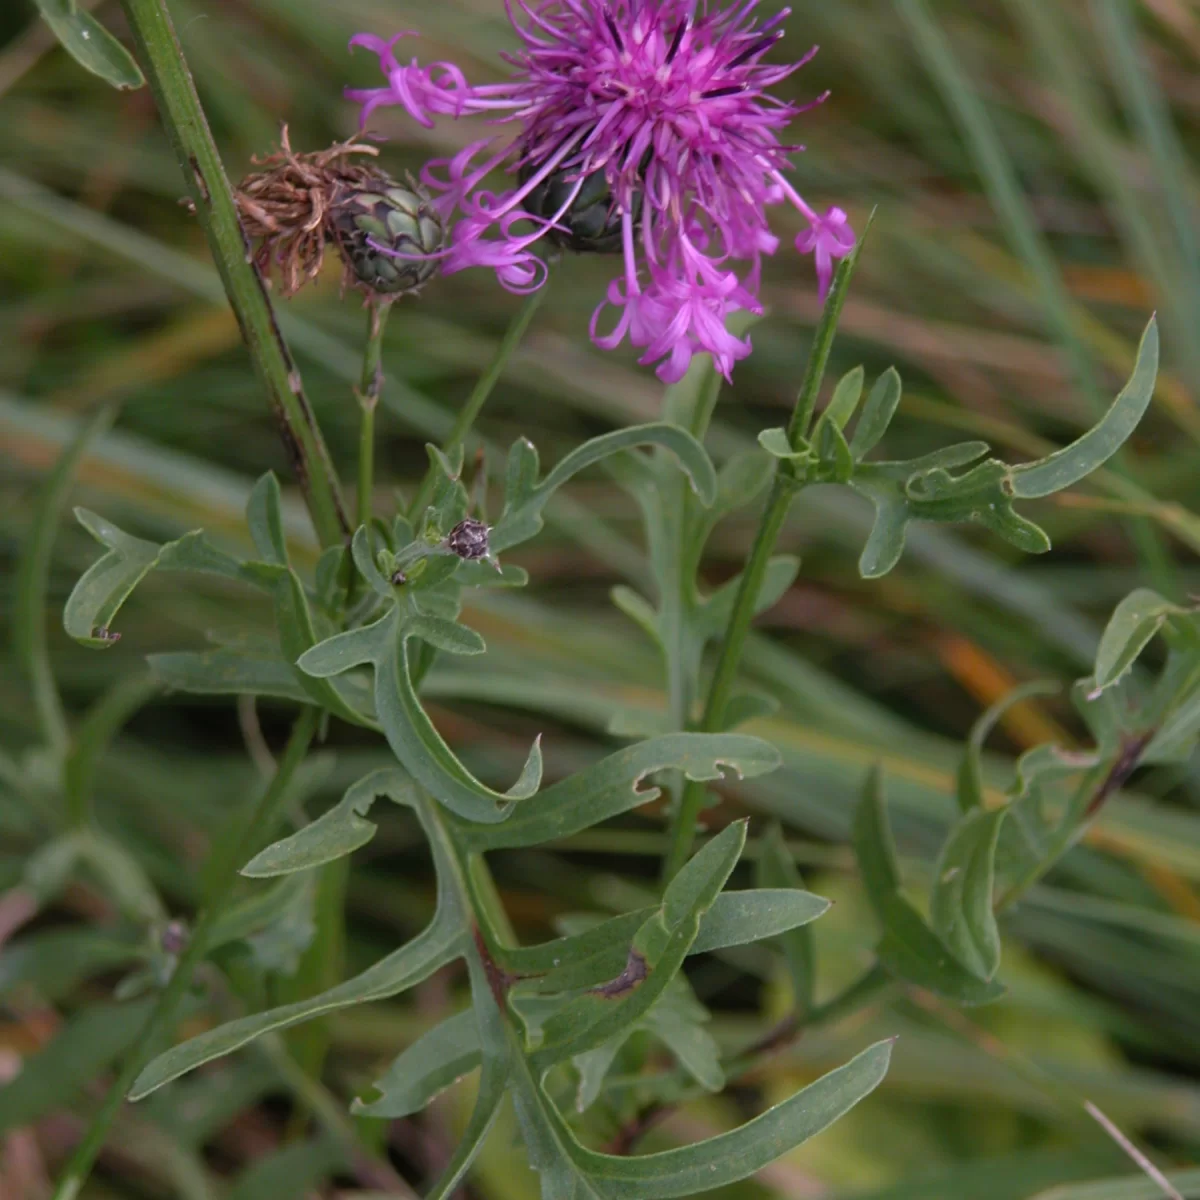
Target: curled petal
827 238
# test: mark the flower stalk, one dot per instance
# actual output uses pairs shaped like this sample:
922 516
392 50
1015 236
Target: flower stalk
783 489
179 108
369 391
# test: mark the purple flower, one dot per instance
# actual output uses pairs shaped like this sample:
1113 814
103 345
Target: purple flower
666 101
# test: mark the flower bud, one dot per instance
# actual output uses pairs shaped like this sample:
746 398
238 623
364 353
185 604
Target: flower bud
388 235
592 225
469 539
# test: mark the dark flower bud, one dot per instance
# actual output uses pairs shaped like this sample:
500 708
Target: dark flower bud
389 236
174 938
469 539
592 225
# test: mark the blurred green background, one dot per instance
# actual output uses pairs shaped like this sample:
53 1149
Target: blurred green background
1033 168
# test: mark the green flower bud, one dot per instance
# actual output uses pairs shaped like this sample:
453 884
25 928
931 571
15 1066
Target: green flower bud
396 218
592 225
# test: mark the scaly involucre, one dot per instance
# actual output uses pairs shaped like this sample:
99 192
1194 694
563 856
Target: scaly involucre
665 104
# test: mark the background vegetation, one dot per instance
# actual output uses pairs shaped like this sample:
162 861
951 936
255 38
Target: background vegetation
1007 279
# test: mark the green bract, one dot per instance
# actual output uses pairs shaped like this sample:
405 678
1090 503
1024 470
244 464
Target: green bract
390 237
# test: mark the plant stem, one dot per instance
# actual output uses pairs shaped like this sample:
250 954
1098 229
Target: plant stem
265 813
185 123
368 401
783 489
480 393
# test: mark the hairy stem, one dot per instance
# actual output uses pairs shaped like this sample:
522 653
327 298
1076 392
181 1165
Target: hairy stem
783 489
467 415
183 118
263 818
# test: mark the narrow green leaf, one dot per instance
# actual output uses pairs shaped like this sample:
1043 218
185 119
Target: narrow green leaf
335 833
737 918
33 571
444 939
911 951
344 651
961 903
775 443
1074 462
90 44
612 786
637 609
715 610
364 560
599 953
297 636
776 869
1130 629
656 954
445 635
430 1065
845 398
970 770
722 1160
106 585
400 970
872 838
267 906
264 516
226 671
681 1030
836 461
522 474
422 750
909 948
496 1040
876 416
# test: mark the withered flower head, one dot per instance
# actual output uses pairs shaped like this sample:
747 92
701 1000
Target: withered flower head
387 234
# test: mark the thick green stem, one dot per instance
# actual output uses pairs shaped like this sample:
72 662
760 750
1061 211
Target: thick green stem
467 415
265 814
783 489
179 107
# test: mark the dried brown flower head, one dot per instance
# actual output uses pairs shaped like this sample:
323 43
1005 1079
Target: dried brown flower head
386 233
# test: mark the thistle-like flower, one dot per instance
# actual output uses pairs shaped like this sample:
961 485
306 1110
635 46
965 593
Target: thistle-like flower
646 127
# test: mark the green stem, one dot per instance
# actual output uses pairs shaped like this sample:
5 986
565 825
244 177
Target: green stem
33 573
783 489
467 415
368 394
265 813
179 107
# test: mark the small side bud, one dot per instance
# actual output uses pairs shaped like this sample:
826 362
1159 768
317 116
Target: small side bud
389 236
175 938
469 539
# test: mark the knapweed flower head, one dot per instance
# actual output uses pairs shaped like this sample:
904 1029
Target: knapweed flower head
388 234
645 127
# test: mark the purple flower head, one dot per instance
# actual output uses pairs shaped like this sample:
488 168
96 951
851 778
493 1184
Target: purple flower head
667 103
